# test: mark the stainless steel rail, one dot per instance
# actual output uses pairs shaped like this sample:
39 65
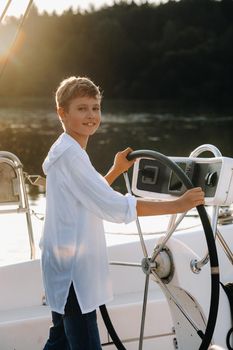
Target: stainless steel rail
21 205
196 266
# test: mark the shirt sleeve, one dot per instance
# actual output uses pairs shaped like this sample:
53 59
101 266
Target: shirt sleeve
92 190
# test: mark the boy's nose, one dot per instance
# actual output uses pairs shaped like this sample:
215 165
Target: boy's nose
91 114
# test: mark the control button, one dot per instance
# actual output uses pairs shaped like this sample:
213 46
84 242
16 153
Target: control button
211 179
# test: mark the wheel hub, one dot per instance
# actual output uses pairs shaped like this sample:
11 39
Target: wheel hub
147 265
163 265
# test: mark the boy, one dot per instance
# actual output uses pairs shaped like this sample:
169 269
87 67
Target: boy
74 257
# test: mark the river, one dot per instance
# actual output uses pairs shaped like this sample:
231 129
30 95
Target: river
28 131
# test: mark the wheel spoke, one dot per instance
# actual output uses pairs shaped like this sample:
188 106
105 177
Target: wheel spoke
176 302
144 249
147 279
172 227
124 263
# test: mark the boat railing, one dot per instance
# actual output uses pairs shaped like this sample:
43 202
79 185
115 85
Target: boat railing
197 265
13 195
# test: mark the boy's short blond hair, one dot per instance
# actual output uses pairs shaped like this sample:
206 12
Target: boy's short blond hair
73 87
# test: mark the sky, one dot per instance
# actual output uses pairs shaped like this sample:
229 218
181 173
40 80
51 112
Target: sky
17 7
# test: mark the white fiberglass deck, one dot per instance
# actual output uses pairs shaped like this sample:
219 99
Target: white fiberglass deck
24 320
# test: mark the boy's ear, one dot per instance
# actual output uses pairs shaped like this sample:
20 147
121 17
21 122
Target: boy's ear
61 112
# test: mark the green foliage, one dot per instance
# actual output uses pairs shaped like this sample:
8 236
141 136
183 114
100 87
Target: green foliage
178 50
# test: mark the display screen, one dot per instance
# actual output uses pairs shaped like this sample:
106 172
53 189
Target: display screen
174 183
150 174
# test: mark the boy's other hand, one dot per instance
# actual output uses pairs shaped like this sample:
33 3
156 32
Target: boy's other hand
190 199
121 163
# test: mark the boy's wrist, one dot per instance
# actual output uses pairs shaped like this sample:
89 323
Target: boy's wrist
180 205
116 171
112 175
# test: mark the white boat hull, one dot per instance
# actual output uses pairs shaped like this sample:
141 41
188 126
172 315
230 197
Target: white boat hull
25 321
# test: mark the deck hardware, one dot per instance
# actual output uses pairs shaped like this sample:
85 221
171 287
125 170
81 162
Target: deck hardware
175 343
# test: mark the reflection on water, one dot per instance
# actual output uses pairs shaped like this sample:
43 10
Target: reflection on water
29 133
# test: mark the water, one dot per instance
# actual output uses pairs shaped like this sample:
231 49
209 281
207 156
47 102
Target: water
14 239
29 132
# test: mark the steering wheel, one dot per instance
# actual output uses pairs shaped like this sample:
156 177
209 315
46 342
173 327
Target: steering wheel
148 263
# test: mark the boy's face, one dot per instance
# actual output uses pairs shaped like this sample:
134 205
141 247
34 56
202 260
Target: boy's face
83 117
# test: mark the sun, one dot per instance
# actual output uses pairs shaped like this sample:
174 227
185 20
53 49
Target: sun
8 32
16 8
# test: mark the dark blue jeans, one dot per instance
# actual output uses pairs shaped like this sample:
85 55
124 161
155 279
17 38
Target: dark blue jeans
73 330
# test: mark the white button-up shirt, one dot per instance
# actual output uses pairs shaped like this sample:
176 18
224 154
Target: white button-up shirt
73 242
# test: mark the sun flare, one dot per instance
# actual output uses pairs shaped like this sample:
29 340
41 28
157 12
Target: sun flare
16 8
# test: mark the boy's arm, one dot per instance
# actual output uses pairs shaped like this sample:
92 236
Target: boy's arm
112 175
120 165
188 200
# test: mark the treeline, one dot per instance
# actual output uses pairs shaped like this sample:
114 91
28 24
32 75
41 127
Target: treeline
179 50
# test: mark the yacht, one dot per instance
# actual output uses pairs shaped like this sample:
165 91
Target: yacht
171 275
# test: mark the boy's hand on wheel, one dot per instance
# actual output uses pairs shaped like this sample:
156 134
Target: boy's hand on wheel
190 199
121 163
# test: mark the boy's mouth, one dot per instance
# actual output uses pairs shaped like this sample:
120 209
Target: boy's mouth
89 124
